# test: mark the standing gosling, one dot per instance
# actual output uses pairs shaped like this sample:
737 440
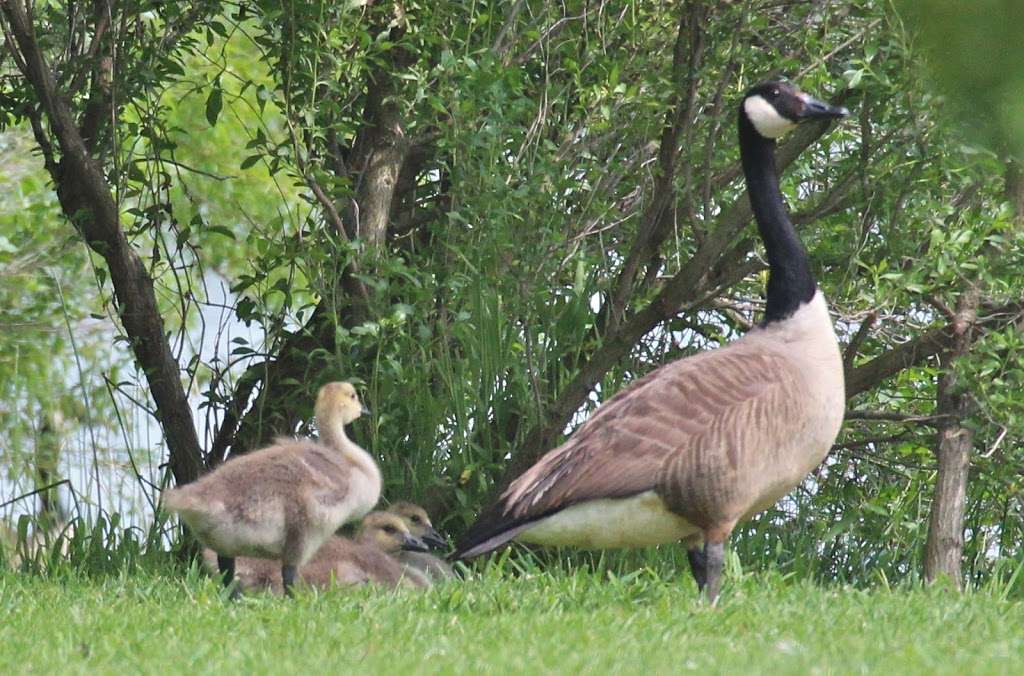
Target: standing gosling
416 518
284 501
370 559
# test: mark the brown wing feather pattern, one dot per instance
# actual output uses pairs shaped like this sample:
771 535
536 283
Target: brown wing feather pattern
685 430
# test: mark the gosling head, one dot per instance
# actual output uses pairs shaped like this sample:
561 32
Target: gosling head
338 401
418 522
776 106
389 533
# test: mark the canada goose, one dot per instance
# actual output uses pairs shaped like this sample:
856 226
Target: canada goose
416 518
699 444
284 501
370 558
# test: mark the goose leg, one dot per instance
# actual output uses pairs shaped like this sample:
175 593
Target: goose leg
698 565
226 566
714 557
288 579
291 557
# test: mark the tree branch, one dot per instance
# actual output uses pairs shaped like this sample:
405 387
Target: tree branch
887 416
655 221
858 339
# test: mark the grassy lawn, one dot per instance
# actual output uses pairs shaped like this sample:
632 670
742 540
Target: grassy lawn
562 622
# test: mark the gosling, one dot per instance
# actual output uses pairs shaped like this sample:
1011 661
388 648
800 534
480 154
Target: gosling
418 522
284 501
370 559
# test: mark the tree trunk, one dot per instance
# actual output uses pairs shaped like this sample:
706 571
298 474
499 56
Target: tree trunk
945 545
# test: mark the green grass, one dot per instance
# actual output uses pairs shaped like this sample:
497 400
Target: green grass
499 622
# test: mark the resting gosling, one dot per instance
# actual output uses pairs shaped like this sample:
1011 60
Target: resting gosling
416 518
370 559
283 502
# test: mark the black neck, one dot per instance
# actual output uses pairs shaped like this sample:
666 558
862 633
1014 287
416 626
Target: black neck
790 282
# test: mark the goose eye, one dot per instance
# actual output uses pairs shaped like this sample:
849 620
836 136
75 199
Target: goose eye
775 92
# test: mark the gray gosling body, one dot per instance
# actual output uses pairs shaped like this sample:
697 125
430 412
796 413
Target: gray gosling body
283 502
418 521
368 559
702 443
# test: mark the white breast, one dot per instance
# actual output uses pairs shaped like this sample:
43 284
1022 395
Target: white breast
638 521
808 339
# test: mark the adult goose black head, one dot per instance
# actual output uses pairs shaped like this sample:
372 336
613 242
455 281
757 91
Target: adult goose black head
702 443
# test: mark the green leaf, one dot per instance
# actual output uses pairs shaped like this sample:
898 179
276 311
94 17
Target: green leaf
214 103
220 230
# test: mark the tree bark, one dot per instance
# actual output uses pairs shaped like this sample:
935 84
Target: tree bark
945 545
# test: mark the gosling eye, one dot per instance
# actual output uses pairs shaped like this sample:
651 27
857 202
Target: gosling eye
390 530
416 519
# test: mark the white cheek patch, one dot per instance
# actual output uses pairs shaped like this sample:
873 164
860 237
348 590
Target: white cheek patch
765 118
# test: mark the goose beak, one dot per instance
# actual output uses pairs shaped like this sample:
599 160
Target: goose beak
411 543
815 110
434 539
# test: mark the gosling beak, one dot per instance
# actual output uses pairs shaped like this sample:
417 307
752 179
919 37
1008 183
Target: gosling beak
434 539
815 110
411 543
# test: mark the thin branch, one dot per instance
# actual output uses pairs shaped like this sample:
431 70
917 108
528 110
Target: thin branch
35 492
858 339
886 416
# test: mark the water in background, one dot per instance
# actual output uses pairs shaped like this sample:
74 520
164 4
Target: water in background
115 466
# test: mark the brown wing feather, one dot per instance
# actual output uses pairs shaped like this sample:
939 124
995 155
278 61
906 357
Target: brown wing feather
662 419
